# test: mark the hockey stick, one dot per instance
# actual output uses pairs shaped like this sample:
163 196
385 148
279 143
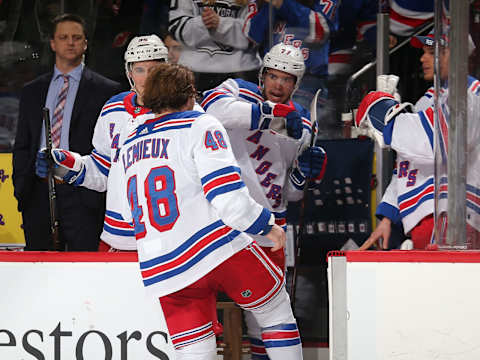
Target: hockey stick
52 194
301 216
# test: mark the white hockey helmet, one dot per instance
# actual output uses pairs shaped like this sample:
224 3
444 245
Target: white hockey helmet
144 48
286 58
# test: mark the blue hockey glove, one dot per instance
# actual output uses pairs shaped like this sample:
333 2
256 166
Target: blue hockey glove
311 164
294 125
41 164
68 166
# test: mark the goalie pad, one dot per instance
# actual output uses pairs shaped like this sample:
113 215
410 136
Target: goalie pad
376 111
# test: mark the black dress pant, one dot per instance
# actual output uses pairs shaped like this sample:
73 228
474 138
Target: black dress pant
80 223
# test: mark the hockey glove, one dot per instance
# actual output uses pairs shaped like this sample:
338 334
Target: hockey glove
311 164
269 111
41 164
376 115
294 125
388 84
68 166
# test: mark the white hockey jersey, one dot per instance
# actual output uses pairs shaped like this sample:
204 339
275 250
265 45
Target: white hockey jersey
264 156
223 50
116 112
412 137
388 207
189 206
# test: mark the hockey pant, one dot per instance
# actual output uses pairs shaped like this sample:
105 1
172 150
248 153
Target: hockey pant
191 312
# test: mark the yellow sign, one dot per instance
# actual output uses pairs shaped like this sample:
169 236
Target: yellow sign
11 232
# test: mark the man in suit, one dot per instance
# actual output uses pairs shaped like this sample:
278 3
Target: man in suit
75 95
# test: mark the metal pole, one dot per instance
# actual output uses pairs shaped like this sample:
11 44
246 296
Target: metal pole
384 163
457 133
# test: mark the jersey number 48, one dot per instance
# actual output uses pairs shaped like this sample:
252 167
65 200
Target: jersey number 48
159 188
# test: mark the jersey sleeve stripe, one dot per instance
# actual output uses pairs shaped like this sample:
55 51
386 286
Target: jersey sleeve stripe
250 95
220 181
112 110
118 232
319 30
116 225
112 104
101 161
473 198
213 97
260 223
219 172
212 194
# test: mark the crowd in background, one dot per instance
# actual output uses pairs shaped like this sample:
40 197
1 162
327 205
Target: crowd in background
336 38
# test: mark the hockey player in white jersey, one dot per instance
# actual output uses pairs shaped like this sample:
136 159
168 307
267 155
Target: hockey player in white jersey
192 213
389 123
92 171
388 210
268 132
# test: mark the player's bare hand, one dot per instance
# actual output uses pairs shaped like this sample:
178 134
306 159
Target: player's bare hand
277 235
382 231
276 3
210 18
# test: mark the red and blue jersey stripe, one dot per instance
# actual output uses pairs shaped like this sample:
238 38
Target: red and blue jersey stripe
473 198
102 162
222 181
116 225
411 200
189 253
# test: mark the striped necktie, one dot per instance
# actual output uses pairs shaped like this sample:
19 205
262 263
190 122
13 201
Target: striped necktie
58 113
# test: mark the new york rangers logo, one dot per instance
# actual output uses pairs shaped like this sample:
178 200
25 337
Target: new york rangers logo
246 293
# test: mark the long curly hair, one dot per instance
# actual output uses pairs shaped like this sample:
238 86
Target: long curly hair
168 87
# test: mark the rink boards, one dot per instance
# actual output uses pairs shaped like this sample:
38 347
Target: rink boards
78 306
404 305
